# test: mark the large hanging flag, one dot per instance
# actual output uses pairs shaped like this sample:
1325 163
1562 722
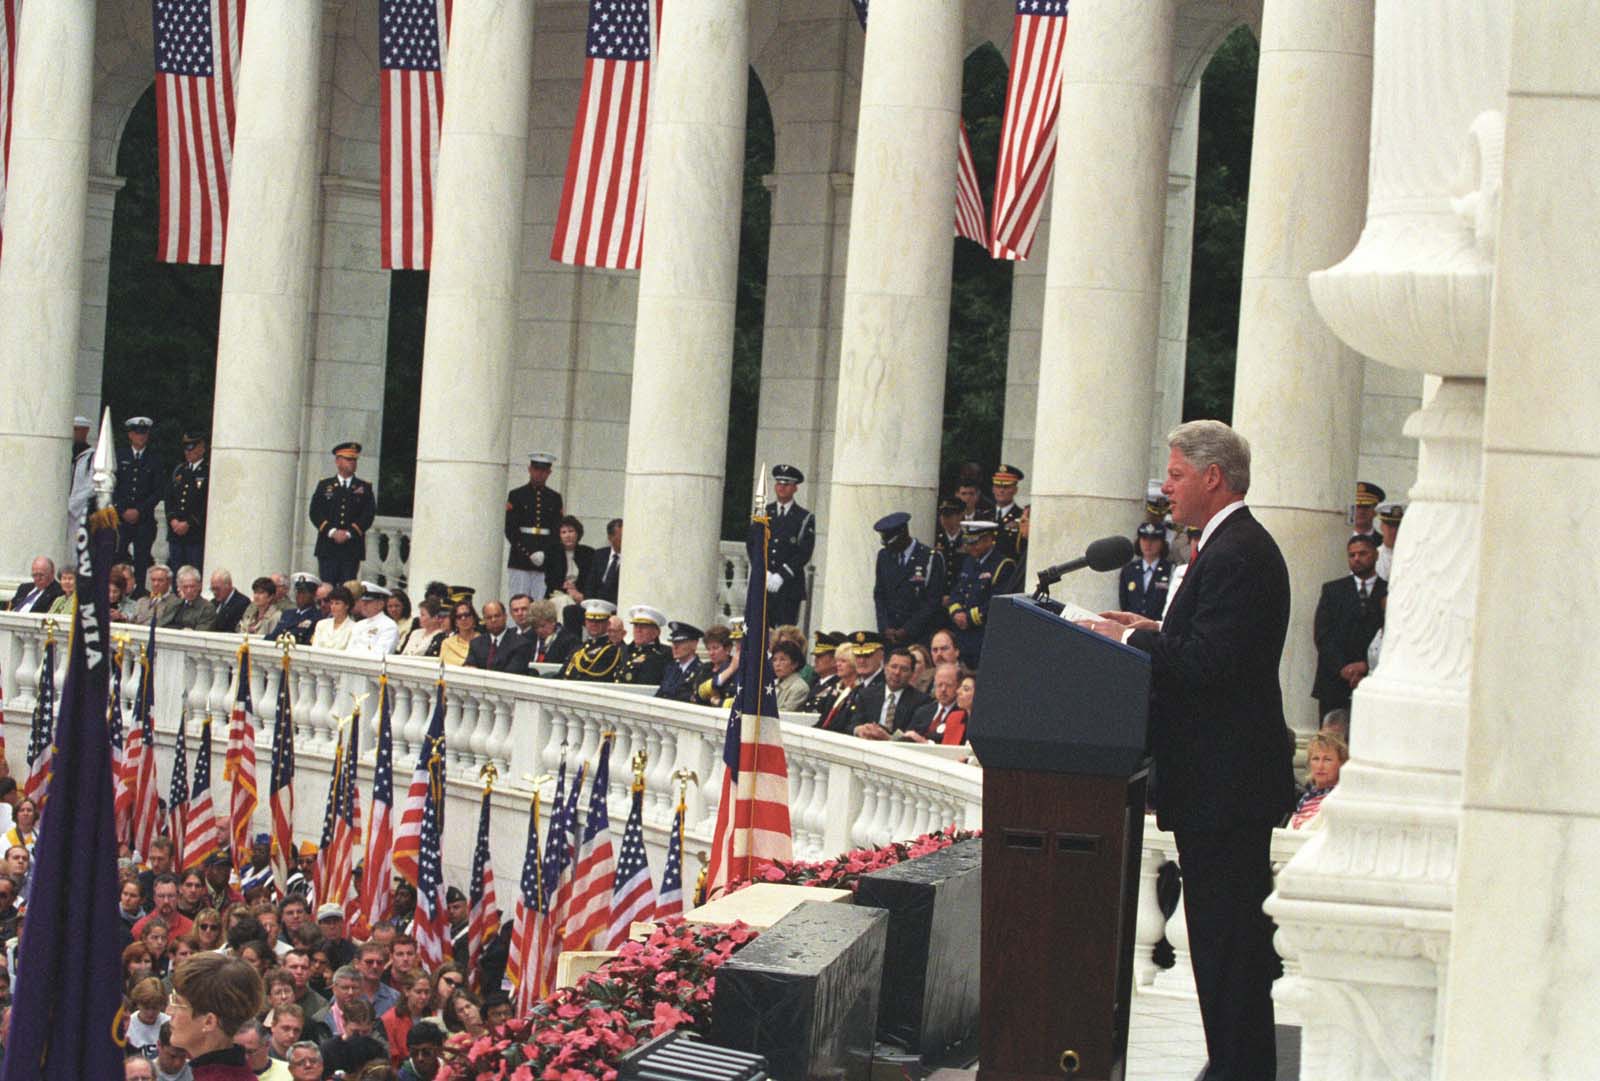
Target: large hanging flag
239 764
522 966
753 817
971 222
600 219
200 834
141 757
408 835
483 922
281 796
430 926
63 1027
197 76
121 781
339 883
633 898
10 15
377 860
412 40
42 735
589 914
1028 136
669 902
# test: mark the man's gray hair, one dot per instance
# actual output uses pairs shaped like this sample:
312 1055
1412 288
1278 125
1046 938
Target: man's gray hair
349 974
1211 442
306 1045
188 573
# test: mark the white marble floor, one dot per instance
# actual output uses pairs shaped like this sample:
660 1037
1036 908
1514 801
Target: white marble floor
1165 1039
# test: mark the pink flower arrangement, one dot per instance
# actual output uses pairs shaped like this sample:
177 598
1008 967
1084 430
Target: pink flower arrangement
844 872
579 1033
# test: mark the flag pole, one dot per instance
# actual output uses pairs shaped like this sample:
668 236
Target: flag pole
758 515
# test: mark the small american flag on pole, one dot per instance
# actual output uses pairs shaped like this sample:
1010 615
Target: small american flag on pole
669 902
42 735
178 791
483 919
121 778
408 836
634 897
1028 136
430 925
560 848
412 40
141 758
239 764
522 967
10 12
281 797
600 220
197 76
200 834
377 866
590 911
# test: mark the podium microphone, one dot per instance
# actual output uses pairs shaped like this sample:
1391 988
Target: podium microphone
1105 554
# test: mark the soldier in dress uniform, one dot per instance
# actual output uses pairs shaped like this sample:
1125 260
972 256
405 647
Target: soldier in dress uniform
342 509
1389 516
985 574
825 662
686 671
1012 538
793 537
300 622
1145 581
908 583
598 658
533 519
186 505
140 483
1364 510
948 540
646 659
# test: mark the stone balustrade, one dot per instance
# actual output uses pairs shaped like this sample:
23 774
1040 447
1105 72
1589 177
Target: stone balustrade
388 552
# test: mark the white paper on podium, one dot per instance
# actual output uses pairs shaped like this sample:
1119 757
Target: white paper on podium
1076 613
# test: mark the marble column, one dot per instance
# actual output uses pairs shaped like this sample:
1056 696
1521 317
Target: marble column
688 283
41 274
1297 387
1366 909
268 278
1102 315
470 350
96 286
1177 261
1523 958
890 405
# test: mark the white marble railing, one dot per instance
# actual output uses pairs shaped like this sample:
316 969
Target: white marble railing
388 552
733 579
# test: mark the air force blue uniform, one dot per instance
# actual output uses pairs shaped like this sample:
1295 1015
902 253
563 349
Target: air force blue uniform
907 590
140 482
1134 596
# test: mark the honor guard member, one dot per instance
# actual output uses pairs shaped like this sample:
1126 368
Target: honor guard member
186 505
533 521
908 583
825 662
1364 510
140 484
1145 581
792 538
1389 515
598 658
686 671
646 659
342 509
300 621
985 574
1012 538
948 540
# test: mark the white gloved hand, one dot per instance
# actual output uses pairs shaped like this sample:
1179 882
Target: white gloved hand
774 581
537 559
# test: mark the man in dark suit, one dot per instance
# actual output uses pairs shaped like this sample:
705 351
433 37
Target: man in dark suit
548 641
908 583
229 601
600 583
41 591
792 539
1349 613
499 648
1223 774
883 708
342 508
1143 585
140 483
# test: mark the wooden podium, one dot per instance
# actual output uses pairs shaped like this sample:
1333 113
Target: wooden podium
1059 725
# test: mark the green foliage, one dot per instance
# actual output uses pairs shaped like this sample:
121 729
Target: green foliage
1222 180
161 318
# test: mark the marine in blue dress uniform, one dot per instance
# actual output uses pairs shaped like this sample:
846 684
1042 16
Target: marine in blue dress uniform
141 482
908 583
985 574
1143 584
792 539
342 508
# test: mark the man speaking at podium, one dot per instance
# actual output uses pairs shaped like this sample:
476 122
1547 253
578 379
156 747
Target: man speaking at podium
1223 756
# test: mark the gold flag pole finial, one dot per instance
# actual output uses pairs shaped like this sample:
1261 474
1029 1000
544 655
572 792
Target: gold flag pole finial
489 775
640 760
685 777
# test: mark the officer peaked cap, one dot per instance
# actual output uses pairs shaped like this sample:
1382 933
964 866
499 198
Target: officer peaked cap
788 473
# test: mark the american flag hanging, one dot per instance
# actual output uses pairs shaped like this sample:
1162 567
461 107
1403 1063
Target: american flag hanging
239 764
590 911
200 834
413 36
121 778
42 735
483 921
971 221
600 220
377 873
430 925
10 14
669 902
408 836
281 796
633 899
522 966
197 76
753 817
1028 136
